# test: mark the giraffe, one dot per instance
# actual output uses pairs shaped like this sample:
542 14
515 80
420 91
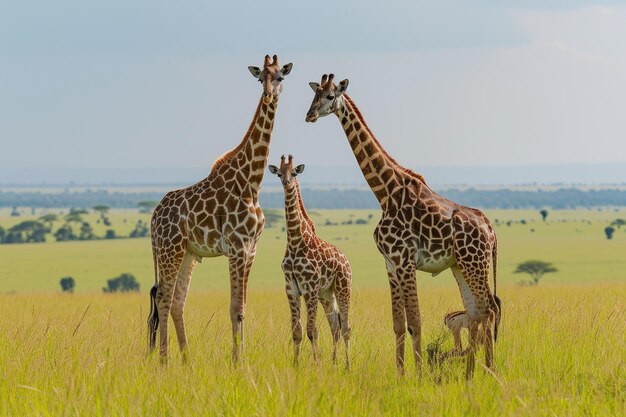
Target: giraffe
419 231
218 216
313 268
459 320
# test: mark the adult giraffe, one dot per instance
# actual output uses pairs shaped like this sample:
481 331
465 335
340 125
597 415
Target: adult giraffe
419 230
219 215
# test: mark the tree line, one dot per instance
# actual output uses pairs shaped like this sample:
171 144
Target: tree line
332 198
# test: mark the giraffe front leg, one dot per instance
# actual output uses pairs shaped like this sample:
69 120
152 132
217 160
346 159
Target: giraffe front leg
311 300
412 311
296 324
399 317
237 268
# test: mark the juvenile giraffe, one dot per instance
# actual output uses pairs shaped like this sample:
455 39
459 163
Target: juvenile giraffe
419 231
313 268
218 216
459 320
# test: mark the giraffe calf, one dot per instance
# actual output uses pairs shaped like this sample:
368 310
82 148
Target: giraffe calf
459 320
314 269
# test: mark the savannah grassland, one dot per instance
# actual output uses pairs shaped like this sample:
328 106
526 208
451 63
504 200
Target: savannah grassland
561 351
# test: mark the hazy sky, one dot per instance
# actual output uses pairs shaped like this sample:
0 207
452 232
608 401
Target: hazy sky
162 84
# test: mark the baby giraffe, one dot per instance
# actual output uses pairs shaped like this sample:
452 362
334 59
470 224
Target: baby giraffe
459 320
313 268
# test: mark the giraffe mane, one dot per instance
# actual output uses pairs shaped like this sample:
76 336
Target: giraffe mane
229 154
359 116
303 211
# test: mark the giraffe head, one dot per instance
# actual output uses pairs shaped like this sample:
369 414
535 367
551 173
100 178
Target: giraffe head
271 76
328 97
287 173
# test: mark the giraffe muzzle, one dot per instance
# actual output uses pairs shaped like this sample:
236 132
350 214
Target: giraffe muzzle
311 117
268 98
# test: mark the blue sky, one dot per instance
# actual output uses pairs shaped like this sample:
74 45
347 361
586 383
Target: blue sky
159 84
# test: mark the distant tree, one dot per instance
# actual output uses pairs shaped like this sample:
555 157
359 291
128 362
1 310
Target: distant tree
360 221
272 217
140 230
73 217
370 216
3 233
14 212
124 283
67 284
79 211
86 232
103 210
536 269
110 234
619 223
544 214
31 231
64 233
608 231
49 219
147 206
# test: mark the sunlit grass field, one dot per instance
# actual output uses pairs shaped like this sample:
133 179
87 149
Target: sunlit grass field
561 350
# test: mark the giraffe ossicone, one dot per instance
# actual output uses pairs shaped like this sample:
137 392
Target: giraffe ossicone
419 231
218 216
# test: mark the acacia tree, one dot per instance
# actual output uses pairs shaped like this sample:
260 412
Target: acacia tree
608 231
536 269
49 219
618 222
103 210
544 214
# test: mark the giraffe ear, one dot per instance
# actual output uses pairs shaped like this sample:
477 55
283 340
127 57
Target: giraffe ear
314 86
273 169
255 71
286 69
342 87
299 169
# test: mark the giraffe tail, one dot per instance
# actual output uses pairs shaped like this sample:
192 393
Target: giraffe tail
496 299
153 318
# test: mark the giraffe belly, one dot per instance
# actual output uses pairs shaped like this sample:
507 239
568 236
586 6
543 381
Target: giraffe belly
433 263
205 251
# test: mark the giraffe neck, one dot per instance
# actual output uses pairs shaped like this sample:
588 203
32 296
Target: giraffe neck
299 223
382 173
248 160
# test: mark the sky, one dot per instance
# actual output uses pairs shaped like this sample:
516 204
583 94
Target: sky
154 91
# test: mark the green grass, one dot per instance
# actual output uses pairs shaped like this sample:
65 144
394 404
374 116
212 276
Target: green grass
561 352
561 349
579 250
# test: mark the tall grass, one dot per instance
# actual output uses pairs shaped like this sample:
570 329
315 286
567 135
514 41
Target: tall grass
561 352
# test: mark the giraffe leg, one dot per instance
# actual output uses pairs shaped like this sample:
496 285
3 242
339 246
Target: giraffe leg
477 304
296 323
178 303
331 312
399 317
412 309
168 273
237 267
343 299
311 300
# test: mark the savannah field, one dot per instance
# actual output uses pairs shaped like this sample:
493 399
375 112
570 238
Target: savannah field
561 349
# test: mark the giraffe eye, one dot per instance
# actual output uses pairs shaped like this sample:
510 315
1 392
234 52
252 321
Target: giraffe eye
280 78
279 175
330 97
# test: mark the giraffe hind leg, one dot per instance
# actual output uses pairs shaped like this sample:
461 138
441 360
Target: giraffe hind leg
178 303
332 315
